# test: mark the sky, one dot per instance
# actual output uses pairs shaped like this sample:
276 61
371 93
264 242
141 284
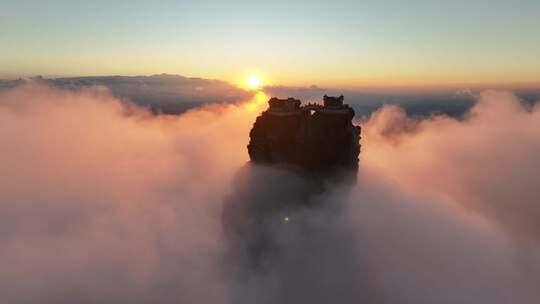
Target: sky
327 43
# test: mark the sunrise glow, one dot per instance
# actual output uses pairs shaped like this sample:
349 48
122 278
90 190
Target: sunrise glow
253 82
258 102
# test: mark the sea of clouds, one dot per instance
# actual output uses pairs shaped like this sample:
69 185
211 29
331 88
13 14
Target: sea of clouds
103 202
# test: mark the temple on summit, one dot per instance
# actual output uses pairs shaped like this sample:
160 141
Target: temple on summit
311 136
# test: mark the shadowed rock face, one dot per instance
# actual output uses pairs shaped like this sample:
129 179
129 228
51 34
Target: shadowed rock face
298 152
313 137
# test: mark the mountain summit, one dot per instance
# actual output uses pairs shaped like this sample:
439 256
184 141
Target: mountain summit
311 136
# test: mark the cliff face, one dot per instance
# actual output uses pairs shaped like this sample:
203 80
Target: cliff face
312 137
319 146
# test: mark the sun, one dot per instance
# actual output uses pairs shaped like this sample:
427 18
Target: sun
253 82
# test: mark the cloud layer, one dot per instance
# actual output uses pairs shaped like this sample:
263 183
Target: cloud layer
100 201
485 163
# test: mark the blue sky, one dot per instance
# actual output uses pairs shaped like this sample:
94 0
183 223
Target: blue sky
289 42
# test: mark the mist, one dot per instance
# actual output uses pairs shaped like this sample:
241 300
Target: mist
102 201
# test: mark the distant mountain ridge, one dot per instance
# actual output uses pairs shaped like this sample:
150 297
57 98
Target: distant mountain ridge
175 94
165 93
